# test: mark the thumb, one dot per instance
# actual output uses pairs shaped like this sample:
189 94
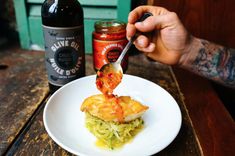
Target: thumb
151 23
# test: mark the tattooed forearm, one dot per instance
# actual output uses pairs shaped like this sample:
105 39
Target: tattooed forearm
215 62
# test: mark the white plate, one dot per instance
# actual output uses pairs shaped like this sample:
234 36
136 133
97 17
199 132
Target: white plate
65 123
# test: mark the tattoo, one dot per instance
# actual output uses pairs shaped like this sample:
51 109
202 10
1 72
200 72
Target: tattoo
216 62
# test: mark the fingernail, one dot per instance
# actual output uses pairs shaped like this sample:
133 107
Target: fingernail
138 24
151 46
140 42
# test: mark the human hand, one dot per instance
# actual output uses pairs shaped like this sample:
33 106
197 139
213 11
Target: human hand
170 40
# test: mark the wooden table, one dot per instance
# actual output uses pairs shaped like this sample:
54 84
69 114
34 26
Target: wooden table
207 128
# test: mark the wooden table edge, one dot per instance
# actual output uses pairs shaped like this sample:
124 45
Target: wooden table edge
186 109
223 128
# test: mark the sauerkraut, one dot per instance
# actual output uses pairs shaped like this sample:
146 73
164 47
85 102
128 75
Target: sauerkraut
113 134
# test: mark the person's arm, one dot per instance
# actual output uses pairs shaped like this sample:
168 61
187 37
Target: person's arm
211 61
173 45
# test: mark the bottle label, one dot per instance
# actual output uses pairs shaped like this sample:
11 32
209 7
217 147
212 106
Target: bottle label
108 51
65 56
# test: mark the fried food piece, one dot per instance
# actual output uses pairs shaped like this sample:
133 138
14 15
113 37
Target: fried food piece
117 109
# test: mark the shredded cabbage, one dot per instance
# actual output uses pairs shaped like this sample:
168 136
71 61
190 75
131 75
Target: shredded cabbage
113 134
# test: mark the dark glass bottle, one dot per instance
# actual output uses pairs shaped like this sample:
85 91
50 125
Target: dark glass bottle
63 29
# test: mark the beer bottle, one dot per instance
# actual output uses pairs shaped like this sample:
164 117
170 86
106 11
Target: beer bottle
62 22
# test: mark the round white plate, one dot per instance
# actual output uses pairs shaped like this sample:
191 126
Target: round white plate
65 123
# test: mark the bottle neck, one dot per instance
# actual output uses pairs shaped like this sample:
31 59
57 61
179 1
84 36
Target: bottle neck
55 13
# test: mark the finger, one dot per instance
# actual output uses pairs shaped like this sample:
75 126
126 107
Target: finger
148 49
130 30
139 11
147 25
142 41
152 23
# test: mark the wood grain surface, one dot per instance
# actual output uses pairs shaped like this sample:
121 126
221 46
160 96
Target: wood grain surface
23 86
35 141
212 20
209 19
213 124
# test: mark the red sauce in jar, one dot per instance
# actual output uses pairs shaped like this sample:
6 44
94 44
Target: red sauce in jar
109 39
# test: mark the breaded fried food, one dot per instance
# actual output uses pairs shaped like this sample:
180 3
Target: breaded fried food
117 109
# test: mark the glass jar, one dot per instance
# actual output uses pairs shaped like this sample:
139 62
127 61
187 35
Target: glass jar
109 39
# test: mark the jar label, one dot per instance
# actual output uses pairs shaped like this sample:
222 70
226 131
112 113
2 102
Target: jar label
64 56
108 51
